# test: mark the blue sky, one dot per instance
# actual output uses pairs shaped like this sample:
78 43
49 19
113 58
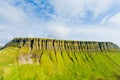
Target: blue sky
93 20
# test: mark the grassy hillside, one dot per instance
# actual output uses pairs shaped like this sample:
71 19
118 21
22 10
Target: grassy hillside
16 63
95 66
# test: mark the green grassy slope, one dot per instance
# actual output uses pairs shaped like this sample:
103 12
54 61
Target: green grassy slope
59 64
95 66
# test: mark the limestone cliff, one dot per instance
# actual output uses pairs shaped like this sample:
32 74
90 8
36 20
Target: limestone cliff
1 47
32 49
54 44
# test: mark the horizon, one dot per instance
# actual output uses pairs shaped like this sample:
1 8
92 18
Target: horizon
83 20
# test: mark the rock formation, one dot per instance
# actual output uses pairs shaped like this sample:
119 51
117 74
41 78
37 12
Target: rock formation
32 49
1 47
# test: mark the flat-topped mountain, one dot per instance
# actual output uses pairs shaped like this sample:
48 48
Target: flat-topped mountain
54 44
34 48
52 59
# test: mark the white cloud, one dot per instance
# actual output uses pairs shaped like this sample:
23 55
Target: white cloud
56 29
111 21
11 14
30 35
104 20
2 27
101 6
14 22
97 31
79 8
115 20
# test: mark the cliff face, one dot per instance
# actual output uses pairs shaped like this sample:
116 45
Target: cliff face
1 47
32 49
53 44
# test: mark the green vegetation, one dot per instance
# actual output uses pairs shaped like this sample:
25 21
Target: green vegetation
86 66
34 59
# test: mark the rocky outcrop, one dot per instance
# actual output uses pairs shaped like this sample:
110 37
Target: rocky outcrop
32 49
1 47
54 44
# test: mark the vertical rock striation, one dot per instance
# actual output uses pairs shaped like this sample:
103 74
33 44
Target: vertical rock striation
32 49
54 44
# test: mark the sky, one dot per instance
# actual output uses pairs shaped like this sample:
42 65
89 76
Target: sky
84 20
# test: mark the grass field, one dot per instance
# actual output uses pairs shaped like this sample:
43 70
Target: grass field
78 66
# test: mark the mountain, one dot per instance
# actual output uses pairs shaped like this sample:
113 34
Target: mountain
1 47
52 59
54 44
35 47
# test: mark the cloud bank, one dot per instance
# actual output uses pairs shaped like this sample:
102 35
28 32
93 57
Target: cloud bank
95 20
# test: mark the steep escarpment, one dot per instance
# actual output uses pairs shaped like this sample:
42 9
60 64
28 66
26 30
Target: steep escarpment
1 47
54 44
52 59
32 49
